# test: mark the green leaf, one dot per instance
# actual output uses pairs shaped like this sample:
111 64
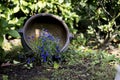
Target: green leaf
14 33
5 77
41 4
16 9
13 21
118 2
56 65
24 9
61 1
15 62
20 21
3 23
1 40
24 3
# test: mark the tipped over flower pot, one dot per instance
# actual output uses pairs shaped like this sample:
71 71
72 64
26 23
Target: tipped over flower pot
55 26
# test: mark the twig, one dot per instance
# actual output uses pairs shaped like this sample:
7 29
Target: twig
103 7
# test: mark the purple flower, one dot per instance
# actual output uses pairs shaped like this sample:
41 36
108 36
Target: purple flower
42 49
44 56
32 59
33 37
46 34
29 38
45 30
20 56
57 57
43 39
50 37
57 49
47 53
39 47
28 61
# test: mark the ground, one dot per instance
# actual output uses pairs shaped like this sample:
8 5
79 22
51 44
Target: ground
79 67
80 71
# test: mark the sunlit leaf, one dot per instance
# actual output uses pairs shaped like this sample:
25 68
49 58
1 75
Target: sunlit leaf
16 9
15 62
32 7
56 65
20 21
15 1
14 33
13 21
24 9
23 2
118 2
41 4
61 1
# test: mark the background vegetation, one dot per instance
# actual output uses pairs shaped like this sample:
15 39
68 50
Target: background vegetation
94 24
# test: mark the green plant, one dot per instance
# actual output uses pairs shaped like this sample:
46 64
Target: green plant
87 64
8 24
45 49
98 20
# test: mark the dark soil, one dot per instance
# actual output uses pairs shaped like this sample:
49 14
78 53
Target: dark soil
43 73
22 73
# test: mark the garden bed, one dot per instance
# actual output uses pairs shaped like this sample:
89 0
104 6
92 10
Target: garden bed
79 64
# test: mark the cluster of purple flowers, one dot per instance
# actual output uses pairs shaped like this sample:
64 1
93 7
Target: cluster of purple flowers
30 60
46 47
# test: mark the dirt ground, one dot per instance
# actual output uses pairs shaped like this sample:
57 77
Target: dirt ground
74 72
42 73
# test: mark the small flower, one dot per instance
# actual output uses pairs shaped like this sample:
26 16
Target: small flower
20 56
57 57
42 49
33 37
50 37
39 47
43 39
47 53
45 30
44 57
57 49
45 34
32 59
28 61
28 38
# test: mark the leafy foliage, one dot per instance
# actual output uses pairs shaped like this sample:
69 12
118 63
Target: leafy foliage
13 13
99 19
